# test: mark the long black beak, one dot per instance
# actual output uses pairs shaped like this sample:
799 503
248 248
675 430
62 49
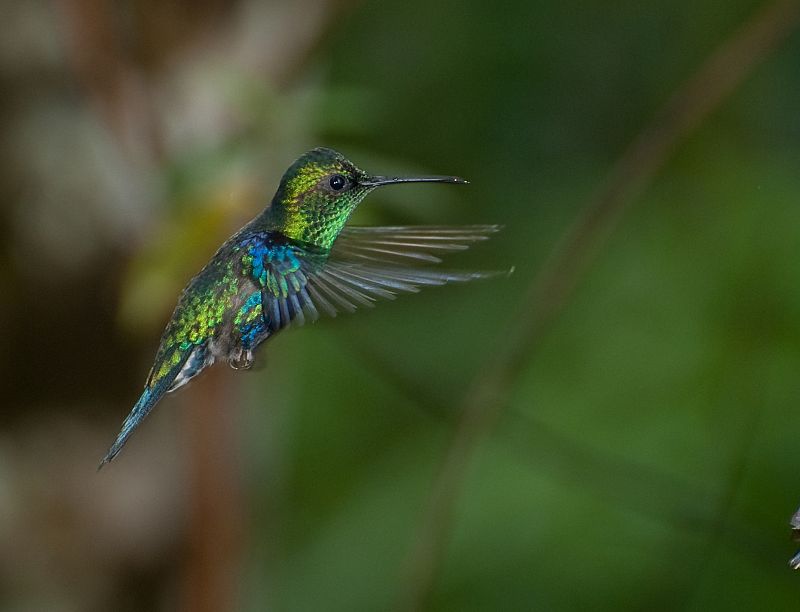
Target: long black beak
377 181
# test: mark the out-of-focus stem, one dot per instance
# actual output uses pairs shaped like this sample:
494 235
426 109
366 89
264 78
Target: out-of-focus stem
215 534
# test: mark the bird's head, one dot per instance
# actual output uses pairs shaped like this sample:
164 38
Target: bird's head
320 191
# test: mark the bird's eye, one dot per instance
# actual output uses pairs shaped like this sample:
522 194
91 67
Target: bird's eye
337 182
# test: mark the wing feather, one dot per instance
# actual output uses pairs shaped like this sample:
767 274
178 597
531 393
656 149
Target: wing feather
401 243
366 264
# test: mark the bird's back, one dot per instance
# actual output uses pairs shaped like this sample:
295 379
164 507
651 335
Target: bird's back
204 315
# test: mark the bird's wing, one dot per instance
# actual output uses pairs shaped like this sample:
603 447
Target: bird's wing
407 245
366 264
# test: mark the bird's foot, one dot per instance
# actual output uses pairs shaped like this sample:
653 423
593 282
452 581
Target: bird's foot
241 359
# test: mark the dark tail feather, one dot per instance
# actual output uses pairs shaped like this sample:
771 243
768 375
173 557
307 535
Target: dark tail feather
149 398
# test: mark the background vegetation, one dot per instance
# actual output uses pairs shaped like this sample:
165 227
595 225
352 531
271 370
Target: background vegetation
613 427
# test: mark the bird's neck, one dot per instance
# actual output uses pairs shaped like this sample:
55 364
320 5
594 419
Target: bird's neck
300 225
299 233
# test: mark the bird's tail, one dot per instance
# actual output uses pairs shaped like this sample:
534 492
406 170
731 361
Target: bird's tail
150 397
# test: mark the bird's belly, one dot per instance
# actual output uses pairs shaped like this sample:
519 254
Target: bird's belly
243 327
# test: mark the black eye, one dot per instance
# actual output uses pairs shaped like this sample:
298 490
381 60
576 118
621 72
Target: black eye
337 182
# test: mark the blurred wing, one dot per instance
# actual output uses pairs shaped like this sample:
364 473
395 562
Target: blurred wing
409 245
371 263
365 265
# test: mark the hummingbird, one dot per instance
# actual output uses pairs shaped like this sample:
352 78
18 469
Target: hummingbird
293 262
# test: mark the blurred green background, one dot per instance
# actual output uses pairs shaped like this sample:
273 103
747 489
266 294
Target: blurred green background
647 456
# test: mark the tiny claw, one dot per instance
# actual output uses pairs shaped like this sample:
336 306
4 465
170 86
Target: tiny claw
241 359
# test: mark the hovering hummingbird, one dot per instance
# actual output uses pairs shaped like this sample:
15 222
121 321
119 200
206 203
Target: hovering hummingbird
293 261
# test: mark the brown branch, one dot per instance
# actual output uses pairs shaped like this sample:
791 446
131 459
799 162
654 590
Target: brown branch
116 87
715 80
215 540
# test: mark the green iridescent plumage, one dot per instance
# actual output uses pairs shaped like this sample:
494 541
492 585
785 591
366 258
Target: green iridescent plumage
289 264
302 212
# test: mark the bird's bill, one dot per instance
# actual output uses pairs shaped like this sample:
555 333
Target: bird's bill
378 181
